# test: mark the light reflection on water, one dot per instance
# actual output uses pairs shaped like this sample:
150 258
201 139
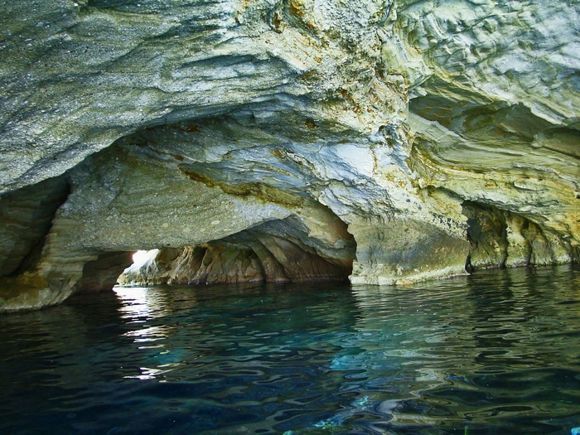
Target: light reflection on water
140 304
493 353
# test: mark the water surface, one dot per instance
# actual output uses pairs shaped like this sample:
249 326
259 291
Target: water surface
497 352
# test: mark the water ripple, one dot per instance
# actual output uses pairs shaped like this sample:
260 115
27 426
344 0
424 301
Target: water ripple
497 352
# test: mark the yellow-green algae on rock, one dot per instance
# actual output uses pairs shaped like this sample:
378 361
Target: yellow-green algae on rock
271 141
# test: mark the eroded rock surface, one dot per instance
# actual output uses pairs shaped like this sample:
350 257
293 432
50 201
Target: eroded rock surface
283 141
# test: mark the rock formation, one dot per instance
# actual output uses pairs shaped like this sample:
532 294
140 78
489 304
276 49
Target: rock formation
276 140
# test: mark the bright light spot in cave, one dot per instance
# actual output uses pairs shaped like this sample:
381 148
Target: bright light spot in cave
141 258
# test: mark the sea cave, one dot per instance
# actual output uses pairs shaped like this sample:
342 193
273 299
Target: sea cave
289 216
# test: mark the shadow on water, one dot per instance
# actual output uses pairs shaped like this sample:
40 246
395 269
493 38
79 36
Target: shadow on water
496 352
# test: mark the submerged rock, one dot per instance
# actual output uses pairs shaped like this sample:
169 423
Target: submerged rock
283 140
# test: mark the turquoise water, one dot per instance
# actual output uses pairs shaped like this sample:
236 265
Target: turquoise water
497 352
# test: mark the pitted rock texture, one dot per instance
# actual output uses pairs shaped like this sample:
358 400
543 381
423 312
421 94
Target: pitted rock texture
283 140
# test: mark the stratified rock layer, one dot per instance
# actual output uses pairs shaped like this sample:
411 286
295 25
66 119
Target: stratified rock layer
284 140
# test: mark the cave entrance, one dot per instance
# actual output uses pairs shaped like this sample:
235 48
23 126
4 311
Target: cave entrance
273 252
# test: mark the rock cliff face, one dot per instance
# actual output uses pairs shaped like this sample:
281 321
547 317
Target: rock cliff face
276 140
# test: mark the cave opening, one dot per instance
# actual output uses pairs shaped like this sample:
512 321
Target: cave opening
275 260
501 238
281 251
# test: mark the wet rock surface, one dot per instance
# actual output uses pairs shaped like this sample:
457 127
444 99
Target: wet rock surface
283 141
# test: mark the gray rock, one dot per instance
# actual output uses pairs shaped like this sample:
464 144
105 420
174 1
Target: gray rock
283 140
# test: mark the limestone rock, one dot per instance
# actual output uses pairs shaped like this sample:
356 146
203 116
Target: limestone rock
283 140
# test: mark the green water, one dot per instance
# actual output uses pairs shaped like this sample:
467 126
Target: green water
497 352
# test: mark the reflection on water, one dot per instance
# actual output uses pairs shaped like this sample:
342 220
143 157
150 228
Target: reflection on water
497 352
